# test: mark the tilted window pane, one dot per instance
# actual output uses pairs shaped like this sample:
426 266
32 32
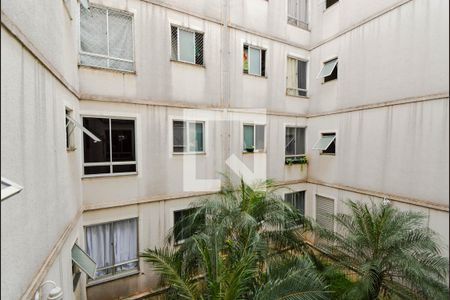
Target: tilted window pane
187 48
178 136
290 141
300 141
328 68
93 31
120 35
255 61
122 138
324 142
83 260
100 151
259 137
249 136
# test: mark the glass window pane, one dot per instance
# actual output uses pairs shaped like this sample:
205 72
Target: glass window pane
93 30
124 168
245 58
300 141
97 170
187 48
328 67
324 142
120 35
249 136
259 137
255 61
100 151
301 77
290 141
99 247
83 261
122 138
125 243
196 137
178 136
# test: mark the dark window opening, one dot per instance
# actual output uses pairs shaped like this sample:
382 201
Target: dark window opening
333 75
332 147
330 2
185 224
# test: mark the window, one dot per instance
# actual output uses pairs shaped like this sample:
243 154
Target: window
187 45
295 141
70 127
325 212
9 188
181 218
326 143
330 2
106 38
254 61
81 260
298 13
188 136
254 138
329 70
115 152
114 247
296 200
296 77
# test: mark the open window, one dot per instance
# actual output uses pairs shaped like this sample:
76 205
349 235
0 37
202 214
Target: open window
82 261
9 188
72 123
187 45
329 70
188 136
254 138
254 60
329 3
326 144
296 77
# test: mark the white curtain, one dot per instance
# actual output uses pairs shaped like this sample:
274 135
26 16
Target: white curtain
125 244
98 246
292 82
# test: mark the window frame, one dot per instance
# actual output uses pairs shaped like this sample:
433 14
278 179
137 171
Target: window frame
328 132
193 31
111 163
80 51
115 276
299 23
305 141
324 80
304 199
70 130
307 77
334 207
254 137
188 121
260 49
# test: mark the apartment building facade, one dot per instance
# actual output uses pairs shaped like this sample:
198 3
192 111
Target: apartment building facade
117 114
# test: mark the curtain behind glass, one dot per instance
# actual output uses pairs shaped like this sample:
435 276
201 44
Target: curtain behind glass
99 247
125 244
248 136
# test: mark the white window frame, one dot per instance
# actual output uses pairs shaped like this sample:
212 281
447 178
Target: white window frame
307 77
178 42
70 132
121 274
173 211
294 192
187 122
254 137
260 59
12 189
111 163
298 22
295 155
108 57
321 133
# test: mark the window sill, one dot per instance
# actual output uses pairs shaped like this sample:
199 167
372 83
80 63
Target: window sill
107 69
253 75
188 153
112 278
295 96
328 154
188 63
109 175
254 152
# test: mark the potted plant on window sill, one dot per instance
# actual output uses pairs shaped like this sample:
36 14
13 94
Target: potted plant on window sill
300 160
250 149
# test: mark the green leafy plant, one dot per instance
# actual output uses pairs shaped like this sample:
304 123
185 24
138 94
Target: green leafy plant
299 160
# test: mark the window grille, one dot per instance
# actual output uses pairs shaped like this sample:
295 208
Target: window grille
325 212
187 45
296 77
106 38
298 13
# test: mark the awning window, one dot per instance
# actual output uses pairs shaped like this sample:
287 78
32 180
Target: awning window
84 261
9 188
82 128
327 68
85 3
324 142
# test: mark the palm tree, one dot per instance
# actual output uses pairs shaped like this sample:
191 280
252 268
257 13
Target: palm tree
245 244
393 254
